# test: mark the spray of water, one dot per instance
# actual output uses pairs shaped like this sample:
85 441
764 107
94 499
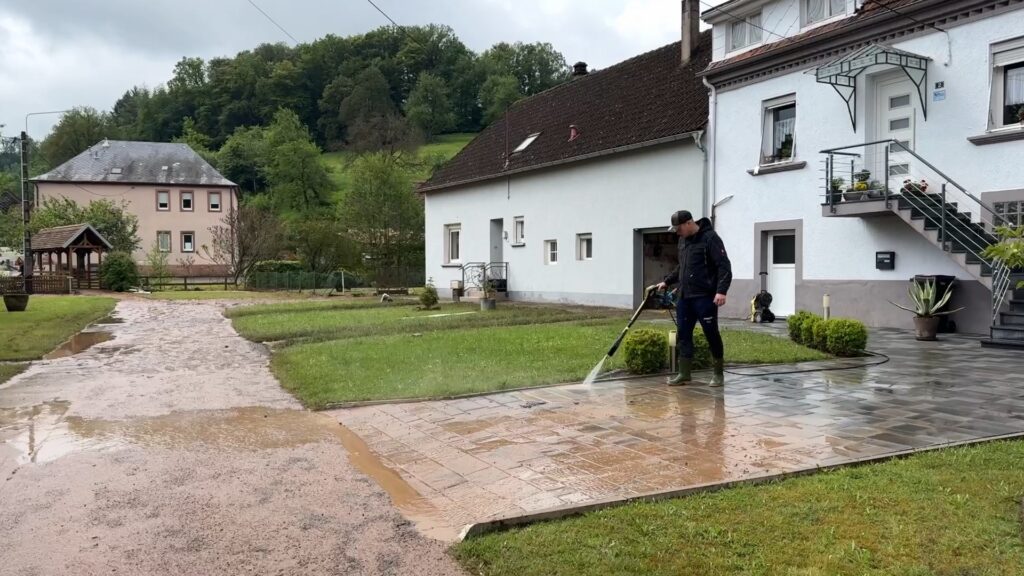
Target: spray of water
595 372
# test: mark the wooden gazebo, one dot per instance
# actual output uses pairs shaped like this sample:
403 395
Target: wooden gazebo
68 251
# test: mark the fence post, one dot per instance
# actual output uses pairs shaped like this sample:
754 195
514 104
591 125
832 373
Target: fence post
225 283
186 283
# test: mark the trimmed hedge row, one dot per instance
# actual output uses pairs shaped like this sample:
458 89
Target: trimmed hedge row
836 336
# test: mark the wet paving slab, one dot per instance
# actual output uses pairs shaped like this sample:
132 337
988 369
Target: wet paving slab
519 453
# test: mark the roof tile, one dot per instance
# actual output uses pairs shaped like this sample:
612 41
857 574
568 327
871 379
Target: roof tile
123 161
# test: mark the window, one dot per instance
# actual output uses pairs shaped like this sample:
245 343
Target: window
820 10
163 241
778 132
452 249
584 246
186 201
745 32
213 201
116 171
1010 213
896 102
551 251
188 241
522 145
163 200
1008 84
518 230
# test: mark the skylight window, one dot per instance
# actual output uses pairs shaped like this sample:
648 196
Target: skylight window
115 170
529 140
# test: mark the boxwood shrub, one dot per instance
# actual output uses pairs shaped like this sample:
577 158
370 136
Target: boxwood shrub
644 351
795 324
845 337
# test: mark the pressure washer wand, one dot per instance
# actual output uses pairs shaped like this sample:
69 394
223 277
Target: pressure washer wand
648 293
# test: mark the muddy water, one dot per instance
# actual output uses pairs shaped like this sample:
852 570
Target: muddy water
79 343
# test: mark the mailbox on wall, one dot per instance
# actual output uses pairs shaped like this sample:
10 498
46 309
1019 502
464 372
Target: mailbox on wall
885 260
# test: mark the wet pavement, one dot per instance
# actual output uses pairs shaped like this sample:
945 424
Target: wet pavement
516 453
163 445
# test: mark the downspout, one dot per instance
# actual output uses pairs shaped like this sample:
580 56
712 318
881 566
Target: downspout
710 192
698 140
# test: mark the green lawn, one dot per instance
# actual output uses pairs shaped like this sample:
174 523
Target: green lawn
48 321
8 371
953 512
358 318
445 146
452 362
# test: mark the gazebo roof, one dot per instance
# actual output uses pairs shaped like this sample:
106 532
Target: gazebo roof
62 237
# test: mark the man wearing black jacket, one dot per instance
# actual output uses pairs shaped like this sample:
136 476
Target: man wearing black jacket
703 275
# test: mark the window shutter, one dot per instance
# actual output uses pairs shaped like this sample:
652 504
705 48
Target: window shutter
1007 57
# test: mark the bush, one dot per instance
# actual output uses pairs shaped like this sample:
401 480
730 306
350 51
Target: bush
845 337
807 330
119 272
795 324
819 337
644 351
428 297
701 350
277 266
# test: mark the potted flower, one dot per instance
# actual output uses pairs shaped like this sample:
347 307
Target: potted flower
856 192
489 302
875 190
927 308
16 302
914 188
835 193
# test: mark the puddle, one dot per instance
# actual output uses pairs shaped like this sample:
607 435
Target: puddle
110 320
427 518
79 343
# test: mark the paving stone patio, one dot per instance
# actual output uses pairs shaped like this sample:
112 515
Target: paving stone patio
515 453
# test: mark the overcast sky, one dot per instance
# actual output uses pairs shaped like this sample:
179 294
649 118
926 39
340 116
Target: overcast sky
55 54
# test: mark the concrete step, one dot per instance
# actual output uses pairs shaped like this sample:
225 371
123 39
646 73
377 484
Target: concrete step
1016 305
1004 344
1008 333
1011 319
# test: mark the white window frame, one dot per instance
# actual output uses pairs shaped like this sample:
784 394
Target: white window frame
191 249
1003 55
449 230
191 200
829 17
752 33
209 201
1014 216
167 205
160 235
768 109
526 143
551 252
519 231
583 240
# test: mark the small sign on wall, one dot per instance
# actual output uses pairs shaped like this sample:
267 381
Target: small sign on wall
885 260
939 94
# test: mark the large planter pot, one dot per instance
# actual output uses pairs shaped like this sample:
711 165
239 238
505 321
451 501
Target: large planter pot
927 327
853 195
16 302
488 303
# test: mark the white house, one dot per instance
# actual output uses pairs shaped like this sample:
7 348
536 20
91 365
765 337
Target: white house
568 196
939 82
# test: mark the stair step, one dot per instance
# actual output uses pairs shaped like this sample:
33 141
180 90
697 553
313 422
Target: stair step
1011 319
1016 305
1004 344
1008 333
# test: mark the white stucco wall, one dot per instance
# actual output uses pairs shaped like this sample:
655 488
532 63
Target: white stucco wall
844 248
782 17
608 197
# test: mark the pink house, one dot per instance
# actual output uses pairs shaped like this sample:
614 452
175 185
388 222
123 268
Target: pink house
176 195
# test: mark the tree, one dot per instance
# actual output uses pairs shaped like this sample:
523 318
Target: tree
11 227
77 130
497 95
428 107
370 96
112 221
382 213
241 158
331 125
196 140
536 67
246 236
297 176
322 246
156 264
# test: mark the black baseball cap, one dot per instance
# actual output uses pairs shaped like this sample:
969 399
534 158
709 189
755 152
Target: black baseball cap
680 218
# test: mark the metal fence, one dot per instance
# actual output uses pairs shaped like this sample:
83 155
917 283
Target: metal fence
339 281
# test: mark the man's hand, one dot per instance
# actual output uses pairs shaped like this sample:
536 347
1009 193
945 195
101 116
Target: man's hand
661 286
719 299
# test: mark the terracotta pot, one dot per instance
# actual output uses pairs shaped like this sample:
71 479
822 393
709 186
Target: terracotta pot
16 302
927 327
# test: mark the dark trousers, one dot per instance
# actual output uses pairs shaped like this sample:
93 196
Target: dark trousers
690 311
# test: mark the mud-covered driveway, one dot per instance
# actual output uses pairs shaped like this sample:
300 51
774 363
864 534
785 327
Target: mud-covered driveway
171 449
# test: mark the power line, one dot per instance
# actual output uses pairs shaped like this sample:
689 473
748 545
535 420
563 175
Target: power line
912 19
397 25
274 22
738 19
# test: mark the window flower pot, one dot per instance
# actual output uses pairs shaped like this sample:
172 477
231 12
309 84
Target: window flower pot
927 327
16 302
852 195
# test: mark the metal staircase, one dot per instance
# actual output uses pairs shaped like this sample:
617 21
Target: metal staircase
951 218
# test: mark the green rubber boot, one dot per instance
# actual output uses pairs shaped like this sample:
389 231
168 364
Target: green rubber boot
718 379
683 377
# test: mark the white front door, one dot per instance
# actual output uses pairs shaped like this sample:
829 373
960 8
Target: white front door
896 107
782 273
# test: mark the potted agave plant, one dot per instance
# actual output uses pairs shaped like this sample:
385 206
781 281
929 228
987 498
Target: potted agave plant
927 308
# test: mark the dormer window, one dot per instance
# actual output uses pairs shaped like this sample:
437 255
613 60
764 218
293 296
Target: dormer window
523 145
115 170
746 32
820 10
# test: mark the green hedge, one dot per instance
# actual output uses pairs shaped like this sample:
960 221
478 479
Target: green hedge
837 336
644 351
795 324
278 266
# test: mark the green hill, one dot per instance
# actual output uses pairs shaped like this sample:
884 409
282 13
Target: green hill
443 147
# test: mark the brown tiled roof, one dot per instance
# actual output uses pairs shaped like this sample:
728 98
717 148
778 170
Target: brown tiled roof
870 9
646 99
61 237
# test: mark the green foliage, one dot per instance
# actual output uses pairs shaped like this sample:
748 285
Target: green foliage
819 334
298 179
77 130
1010 248
197 141
701 350
48 321
845 337
428 107
795 325
156 262
119 272
926 301
112 221
11 226
497 94
428 297
242 159
321 245
277 266
644 351
807 329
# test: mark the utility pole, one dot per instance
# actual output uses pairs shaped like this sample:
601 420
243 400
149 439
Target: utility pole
26 209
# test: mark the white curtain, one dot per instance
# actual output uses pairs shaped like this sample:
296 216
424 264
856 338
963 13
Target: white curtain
838 7
785 121
1014 86
815 10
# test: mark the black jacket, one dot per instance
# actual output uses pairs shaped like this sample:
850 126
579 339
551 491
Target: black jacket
704 268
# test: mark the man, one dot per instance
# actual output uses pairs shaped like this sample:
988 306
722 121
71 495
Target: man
703 274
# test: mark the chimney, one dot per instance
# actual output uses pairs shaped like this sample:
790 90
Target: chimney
691 28
579 69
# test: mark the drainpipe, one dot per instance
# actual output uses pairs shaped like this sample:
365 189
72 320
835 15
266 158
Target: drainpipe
698 141
709 157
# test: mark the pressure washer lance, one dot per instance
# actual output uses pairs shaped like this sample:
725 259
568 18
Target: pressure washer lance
649 293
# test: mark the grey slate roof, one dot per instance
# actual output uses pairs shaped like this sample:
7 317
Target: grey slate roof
138 163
